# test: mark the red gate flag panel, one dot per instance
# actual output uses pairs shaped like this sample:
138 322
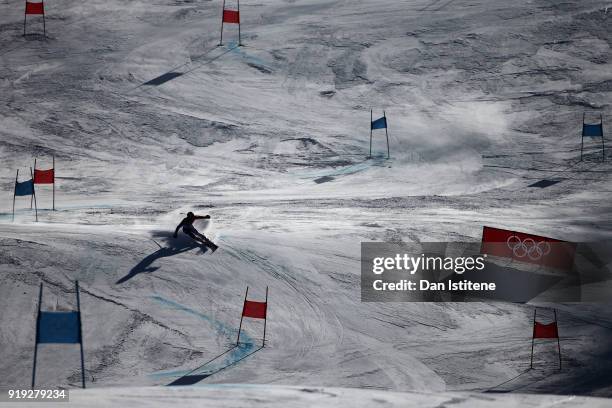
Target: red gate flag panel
231 16
256 310
545 331
35 7
44 176
528 248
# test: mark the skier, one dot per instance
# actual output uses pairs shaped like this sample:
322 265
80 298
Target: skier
189 229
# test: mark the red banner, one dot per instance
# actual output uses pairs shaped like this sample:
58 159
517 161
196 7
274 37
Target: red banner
44 176
231 16
528 248
256 310
35 8
545 331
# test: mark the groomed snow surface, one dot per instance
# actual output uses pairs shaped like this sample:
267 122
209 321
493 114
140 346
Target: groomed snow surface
242 395
149 118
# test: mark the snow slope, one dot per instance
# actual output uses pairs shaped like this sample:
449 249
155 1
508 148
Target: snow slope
241 395
484 98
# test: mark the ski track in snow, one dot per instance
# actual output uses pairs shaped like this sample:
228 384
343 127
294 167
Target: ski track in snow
483 98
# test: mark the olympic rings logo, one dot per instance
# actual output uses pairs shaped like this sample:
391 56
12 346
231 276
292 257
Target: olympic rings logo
528 248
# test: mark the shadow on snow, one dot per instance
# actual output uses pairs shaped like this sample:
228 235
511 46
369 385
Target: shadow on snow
172 246
231 357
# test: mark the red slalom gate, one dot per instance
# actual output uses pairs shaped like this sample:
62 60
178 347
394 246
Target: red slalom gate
254 310
230 16
545 331
528 248
34 8
45 177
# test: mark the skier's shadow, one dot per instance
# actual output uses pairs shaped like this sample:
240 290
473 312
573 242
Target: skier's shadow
169 246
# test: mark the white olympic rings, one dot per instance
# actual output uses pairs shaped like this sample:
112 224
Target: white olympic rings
527 247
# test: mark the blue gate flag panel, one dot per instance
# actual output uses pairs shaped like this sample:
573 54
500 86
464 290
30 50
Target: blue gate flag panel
592 130
380 123
25 188
58 327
